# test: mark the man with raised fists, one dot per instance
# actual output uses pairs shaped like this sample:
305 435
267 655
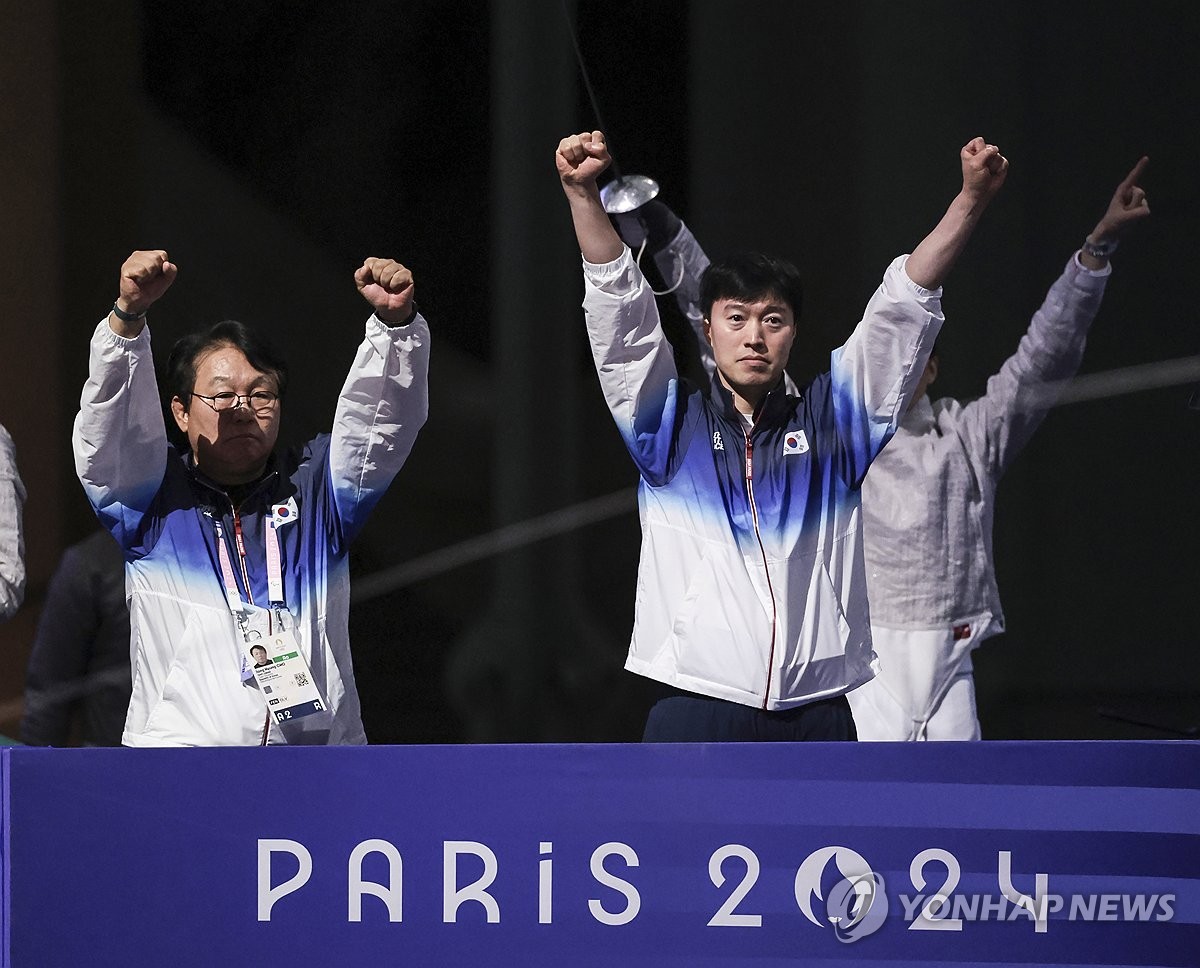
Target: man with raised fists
236 545
751 600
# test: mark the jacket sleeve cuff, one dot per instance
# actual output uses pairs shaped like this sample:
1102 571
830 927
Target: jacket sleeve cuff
897 270
1084 275
138 344
382 325
617 277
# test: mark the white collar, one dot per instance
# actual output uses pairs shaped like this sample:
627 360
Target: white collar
919 418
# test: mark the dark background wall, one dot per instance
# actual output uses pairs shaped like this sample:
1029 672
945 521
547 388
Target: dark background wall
270 147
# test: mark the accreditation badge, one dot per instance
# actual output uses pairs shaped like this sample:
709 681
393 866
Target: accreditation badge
272 652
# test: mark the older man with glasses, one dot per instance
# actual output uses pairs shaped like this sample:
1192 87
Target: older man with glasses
235 546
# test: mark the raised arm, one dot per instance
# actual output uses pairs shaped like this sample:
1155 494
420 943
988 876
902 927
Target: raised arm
875 373
120 441
984 170
633 358
581 158
385 399
654 230
145 276
1001 422
1127 206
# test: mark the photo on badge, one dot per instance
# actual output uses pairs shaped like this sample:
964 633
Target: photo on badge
259 658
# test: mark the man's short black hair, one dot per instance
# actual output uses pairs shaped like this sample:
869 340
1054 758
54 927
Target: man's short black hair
262 648
751 276
181 364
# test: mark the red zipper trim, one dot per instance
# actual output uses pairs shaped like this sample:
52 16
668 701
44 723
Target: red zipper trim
241 550
763 552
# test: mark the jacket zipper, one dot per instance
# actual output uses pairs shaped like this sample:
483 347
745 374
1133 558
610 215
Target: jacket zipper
241 550
763 552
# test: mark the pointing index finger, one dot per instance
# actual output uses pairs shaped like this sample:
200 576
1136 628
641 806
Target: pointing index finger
1132 178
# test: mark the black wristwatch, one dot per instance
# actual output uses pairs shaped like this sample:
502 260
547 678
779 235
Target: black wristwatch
1099 250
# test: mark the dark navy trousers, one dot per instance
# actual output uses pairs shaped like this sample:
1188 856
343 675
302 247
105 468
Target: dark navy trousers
689 718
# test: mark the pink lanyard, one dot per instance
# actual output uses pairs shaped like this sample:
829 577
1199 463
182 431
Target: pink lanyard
274 568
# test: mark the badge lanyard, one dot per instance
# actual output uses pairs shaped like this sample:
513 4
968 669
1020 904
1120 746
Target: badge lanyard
274 572
284 678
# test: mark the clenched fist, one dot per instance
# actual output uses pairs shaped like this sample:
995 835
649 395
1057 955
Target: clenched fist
984 168
581 158
388 287
145 276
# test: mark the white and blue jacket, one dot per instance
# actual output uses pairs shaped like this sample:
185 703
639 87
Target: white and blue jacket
186 649
752 583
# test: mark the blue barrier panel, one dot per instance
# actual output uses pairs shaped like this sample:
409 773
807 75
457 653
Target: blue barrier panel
705 855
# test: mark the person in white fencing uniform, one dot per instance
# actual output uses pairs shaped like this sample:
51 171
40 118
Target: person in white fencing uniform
929 497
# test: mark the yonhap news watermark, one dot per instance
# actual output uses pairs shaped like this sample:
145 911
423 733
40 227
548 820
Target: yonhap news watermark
858 904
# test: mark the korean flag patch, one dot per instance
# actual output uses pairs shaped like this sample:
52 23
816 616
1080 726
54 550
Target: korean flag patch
794 442
285 513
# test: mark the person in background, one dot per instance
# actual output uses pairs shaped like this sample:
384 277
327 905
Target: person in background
78 683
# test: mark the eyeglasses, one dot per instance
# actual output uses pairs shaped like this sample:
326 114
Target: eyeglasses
260 401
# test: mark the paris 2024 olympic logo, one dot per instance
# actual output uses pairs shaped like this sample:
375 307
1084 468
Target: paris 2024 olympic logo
856 905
